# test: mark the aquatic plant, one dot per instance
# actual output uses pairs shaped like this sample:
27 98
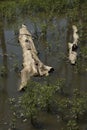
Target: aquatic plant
83 52
16 66
60 85
3 71
72 125
72 109
8 9
38 97
13 8
47 97
78 104
63 106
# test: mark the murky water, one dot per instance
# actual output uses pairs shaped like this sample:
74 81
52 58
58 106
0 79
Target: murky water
53 51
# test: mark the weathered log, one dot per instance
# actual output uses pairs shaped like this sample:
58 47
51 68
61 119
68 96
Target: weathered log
75 35
32 66
72 54
73 46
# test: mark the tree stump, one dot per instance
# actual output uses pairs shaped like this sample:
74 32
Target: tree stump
32 66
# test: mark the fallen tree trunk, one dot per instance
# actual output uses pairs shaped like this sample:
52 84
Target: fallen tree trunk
32 66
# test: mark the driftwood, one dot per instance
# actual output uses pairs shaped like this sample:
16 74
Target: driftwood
73 46
32 66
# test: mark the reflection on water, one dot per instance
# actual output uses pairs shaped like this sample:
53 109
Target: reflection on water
3 82
52 51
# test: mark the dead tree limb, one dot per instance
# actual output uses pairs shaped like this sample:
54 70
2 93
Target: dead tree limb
32 66
73 46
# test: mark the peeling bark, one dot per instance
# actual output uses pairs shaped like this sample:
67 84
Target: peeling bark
73 46
32 66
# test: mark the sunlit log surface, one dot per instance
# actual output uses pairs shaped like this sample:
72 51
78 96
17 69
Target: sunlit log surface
73 46
75 35
32 66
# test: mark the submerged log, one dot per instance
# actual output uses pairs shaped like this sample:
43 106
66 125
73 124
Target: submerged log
32 66
73 46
